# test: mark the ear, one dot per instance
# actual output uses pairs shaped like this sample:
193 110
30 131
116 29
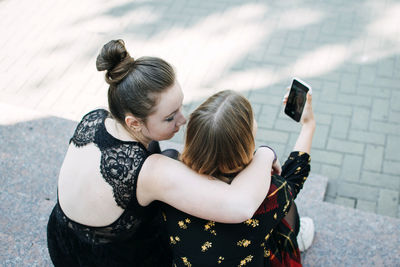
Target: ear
133 123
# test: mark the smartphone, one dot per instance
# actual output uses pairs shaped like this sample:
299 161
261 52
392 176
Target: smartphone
297 99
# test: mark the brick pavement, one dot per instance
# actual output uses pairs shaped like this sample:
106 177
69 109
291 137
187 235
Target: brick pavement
349 51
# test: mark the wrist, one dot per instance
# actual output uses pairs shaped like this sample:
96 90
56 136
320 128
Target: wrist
311 125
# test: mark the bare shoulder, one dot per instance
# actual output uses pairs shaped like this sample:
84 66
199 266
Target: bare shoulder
152 178
157 164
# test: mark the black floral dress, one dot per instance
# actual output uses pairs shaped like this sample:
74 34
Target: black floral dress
266 239
134 238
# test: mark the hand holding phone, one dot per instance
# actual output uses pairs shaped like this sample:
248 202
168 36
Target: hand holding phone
297 99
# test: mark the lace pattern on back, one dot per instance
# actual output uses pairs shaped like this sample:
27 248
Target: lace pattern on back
119 161
86 129
119 167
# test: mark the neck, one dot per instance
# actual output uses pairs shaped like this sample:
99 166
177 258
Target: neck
138 137
123 133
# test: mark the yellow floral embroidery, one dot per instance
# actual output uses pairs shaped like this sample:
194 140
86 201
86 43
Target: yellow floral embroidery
220 259
297 170
267 253
301 153
208 226
275 216
186 262
187 220
206 246
243 243
174 240
266 237
246 260
164 216
182 225
252 222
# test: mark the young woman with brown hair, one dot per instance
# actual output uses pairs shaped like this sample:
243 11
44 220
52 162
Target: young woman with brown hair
109 183
220 142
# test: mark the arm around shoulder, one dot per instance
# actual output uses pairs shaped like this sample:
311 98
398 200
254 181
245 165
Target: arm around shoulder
172 182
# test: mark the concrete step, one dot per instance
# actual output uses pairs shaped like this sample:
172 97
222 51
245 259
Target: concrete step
350 237
345 236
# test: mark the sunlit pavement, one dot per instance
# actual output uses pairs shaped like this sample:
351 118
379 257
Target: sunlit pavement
349 51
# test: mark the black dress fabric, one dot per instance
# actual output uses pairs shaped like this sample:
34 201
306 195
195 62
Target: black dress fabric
266 239
134 238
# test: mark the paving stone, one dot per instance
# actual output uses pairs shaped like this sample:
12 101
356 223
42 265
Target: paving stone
381 180
355 100
370 90
321 118
360 118
272 136
332 190
388 202
358 191
367 137
391 167
266 118
340 126
394 116
334 109
351 167
386 68
345 201
380 109
386 82
348 83
395 101
329 91
320 136
393 147
330 171
345 146
262 98
373 158
383 127
367 75
324 156
287 124
365 205
351 68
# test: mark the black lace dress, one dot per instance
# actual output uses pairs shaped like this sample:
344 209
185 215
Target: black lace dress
267 239
134 238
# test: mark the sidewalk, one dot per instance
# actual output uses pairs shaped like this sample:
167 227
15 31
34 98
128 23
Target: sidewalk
349 51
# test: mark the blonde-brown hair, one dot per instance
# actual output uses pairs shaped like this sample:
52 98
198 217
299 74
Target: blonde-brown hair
219 137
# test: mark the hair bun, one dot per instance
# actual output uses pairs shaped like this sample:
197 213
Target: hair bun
115 60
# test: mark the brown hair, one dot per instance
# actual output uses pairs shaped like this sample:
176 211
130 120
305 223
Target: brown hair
134 84
219 137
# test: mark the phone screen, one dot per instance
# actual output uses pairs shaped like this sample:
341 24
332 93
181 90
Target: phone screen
296 100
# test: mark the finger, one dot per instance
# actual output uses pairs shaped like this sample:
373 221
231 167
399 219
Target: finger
309 98
285 97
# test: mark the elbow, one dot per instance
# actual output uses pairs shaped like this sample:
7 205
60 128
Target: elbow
245 212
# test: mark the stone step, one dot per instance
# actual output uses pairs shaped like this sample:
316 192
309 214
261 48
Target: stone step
350 237
345 236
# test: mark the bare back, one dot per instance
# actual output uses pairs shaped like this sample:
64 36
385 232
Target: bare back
97 180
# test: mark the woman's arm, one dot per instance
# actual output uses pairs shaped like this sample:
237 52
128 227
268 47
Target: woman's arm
172 182
304 140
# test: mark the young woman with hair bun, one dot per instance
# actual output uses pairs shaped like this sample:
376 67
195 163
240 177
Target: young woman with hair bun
111 182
